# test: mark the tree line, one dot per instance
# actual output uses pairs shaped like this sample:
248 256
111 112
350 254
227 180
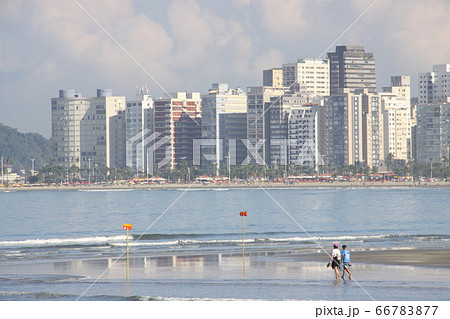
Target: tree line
18 149
53 173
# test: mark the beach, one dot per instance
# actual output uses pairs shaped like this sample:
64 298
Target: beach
435 258
210 264
224 185
196 276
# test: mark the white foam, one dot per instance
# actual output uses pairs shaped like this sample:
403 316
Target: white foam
268 240
106 190
121 241
146 243
145 298
64 241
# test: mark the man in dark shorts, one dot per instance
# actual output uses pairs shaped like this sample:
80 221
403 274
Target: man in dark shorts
346 262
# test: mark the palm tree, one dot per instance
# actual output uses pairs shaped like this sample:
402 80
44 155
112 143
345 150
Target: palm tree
389 160
74 173
445 160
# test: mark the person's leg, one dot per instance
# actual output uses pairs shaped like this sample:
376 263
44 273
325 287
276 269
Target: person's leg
349 273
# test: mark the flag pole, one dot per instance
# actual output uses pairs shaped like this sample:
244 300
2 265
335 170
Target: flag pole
243 214
127 227
128 257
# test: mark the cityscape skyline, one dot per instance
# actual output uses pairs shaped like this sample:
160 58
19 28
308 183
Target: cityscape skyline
44 47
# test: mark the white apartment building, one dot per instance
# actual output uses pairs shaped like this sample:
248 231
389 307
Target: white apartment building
278 123
217 124
396 108
400 86
87 132
434 86
139 125
397 126
303 147
433 132
313 75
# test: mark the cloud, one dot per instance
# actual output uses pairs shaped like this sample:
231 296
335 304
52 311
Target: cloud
76 39
216 46
10 8
241 3
423 41
269 59
46 45
8 63
283 18
412 37
191 30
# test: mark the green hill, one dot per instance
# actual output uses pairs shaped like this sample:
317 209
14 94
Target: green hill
19 148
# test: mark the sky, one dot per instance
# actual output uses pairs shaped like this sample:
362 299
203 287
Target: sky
186 45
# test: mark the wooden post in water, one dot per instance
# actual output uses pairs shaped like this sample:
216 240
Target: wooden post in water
243 214
128 227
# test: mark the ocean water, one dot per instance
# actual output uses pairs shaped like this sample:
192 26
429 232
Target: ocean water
187 244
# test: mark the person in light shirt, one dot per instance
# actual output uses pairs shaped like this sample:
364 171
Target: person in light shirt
346 262
335 260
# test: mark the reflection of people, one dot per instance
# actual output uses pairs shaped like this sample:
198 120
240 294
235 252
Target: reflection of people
335 259
345 262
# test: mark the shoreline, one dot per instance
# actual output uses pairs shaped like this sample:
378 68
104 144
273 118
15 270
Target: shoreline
254 185
421 257
430 258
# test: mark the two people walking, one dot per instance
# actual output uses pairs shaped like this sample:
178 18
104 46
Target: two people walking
337 258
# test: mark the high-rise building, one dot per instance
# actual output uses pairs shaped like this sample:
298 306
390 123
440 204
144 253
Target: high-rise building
86 132
354 135
259 103
313 76
178 117
117 129
303 136
400 86
396 108
433 132
224 116
352 68
273 77
278 124
397 126
233 126
414 103
434 86
139 124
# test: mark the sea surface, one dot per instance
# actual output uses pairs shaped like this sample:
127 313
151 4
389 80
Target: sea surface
188 244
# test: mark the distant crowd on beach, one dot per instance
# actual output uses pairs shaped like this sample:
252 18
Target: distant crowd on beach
251 183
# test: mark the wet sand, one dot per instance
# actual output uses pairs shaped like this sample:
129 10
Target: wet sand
273 264
438 258
267 275
429 258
